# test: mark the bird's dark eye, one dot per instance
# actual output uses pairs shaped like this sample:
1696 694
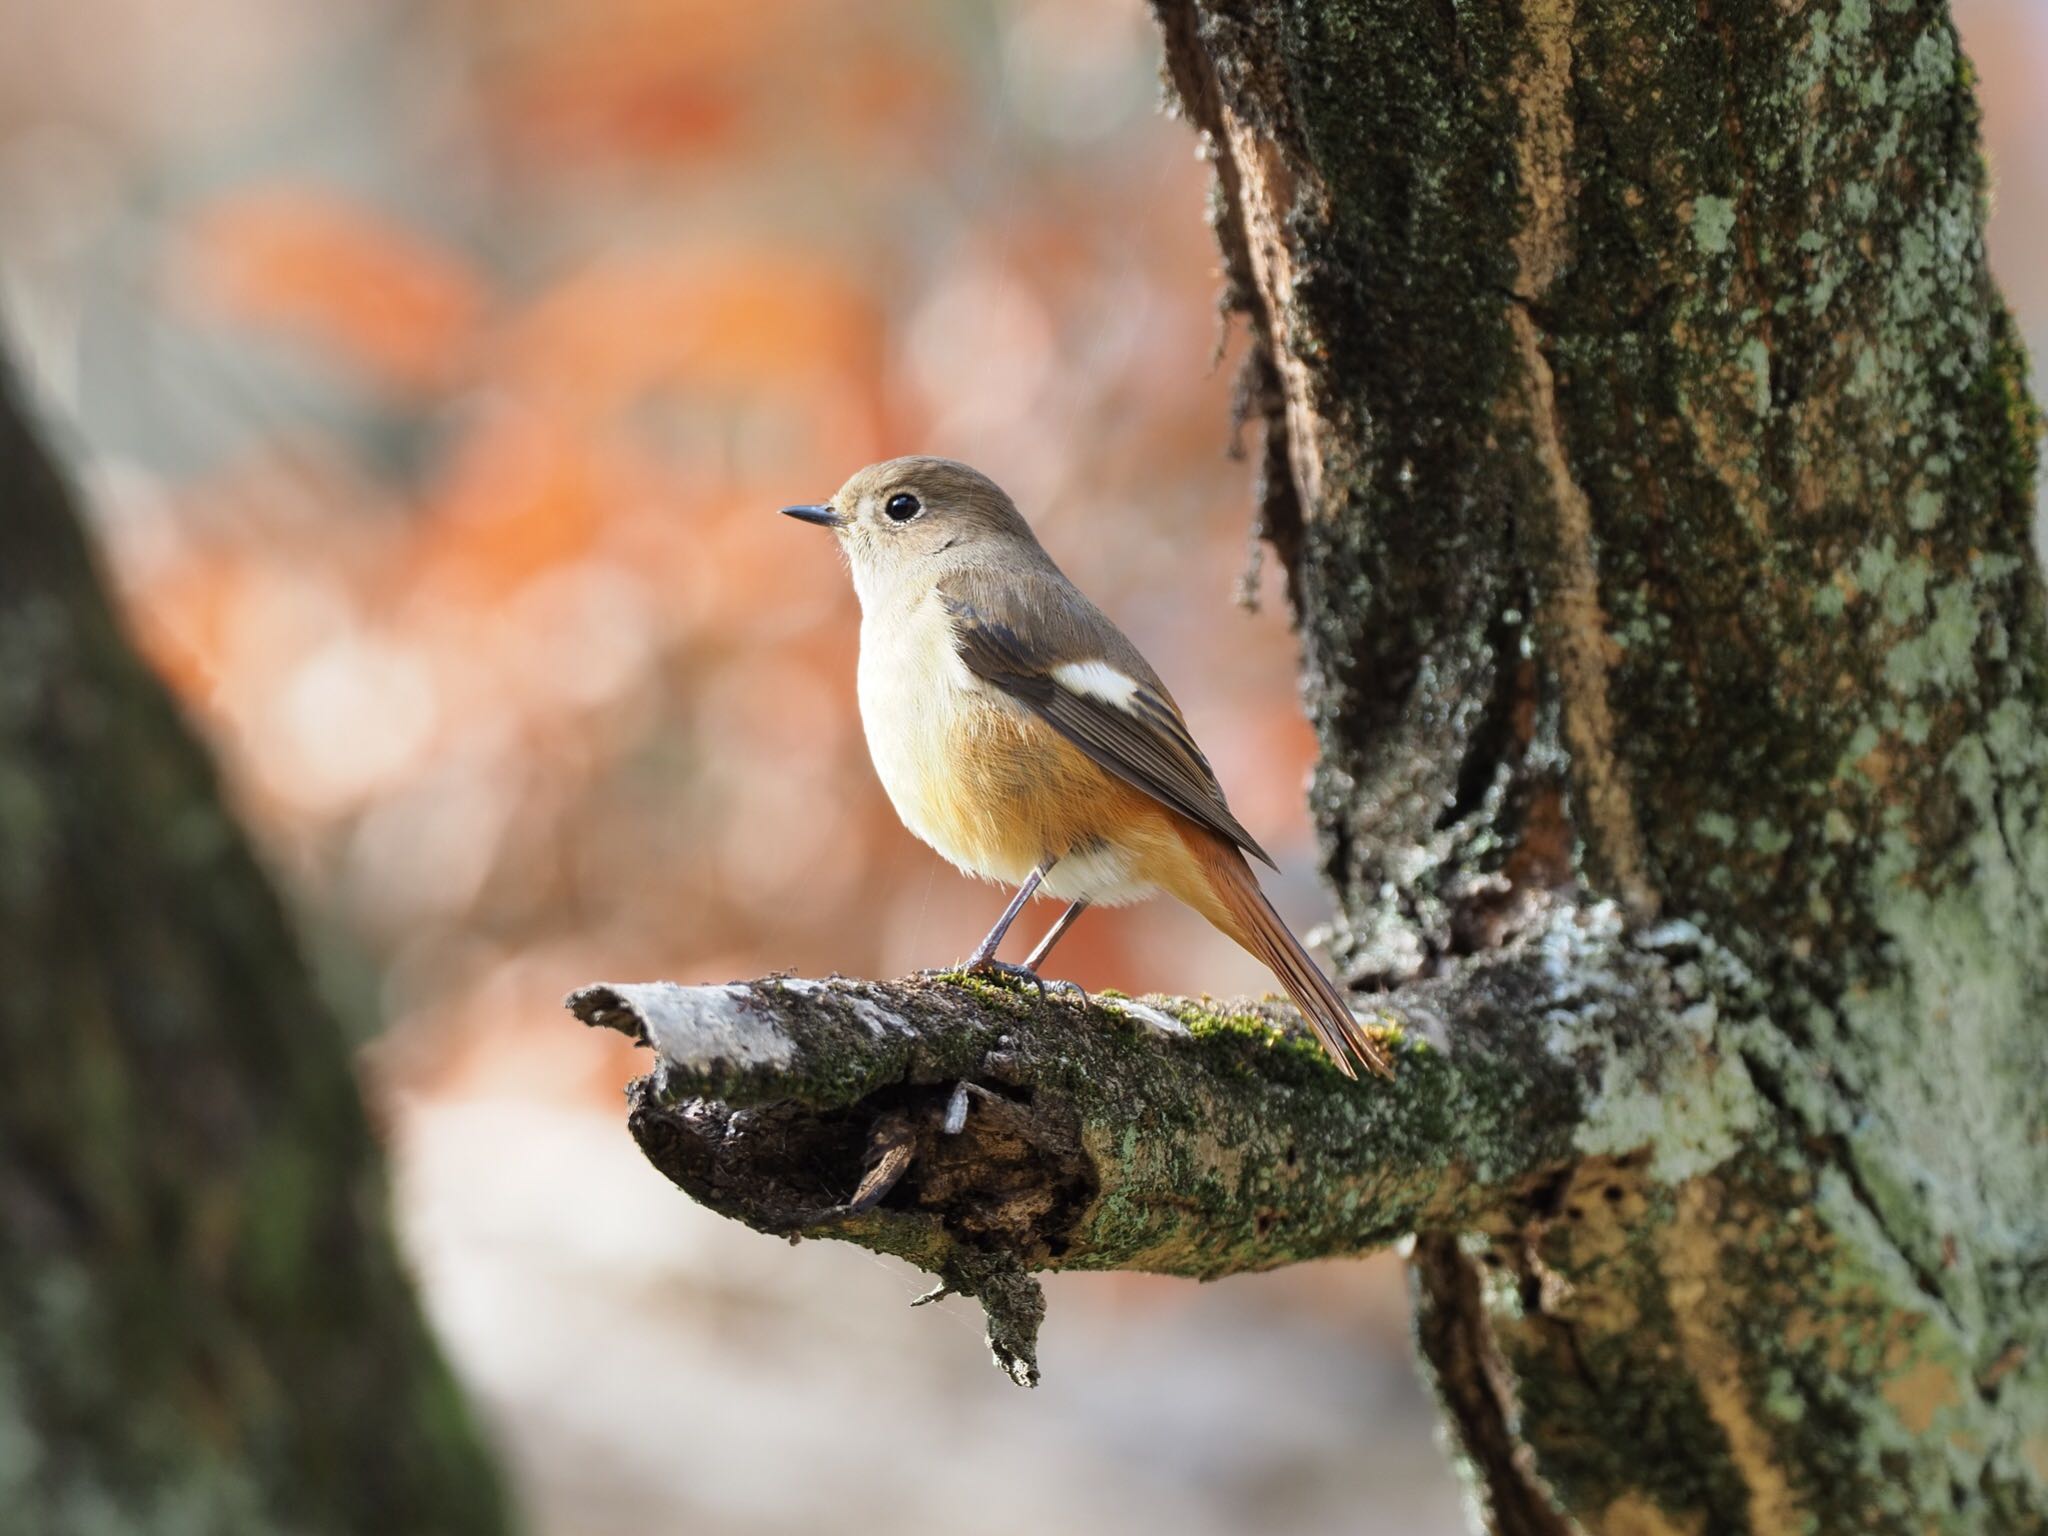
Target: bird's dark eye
902 507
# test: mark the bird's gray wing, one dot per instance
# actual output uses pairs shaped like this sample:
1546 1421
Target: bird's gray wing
1133 732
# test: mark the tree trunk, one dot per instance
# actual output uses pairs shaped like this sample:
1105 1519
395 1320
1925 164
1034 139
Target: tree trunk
1657 482
204 1326
1648 450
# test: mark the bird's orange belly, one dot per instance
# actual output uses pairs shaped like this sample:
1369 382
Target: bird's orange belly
997 792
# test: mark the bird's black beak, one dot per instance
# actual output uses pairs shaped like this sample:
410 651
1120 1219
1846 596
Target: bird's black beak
823 516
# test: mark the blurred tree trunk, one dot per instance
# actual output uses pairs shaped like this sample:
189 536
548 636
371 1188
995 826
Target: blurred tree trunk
204 1326
1649 454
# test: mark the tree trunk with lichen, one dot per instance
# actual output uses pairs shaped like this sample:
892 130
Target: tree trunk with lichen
204 1326
1648 451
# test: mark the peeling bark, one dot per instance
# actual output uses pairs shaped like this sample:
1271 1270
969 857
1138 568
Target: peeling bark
1561 517
1456 1340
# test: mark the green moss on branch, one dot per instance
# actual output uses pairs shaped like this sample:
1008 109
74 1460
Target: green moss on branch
1178 1136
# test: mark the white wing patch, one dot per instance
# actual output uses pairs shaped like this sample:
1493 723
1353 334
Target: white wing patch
1097 680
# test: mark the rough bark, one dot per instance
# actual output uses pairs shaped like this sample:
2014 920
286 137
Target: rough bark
204 1326
1650 456
983 1132
1663 472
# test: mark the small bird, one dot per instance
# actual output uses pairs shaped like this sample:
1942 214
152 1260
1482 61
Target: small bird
1019 733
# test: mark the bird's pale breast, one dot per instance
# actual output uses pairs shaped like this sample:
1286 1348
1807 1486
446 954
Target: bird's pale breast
989 786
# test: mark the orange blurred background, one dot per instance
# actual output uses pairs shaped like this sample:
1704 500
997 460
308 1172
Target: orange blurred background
435 369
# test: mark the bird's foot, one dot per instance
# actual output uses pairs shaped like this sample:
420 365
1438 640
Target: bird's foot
965 968
1012 973
989 966
992 967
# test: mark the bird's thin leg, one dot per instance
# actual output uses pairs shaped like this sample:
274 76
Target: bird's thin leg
985 951
1052 937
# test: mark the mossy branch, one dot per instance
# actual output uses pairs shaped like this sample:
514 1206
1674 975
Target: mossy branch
983 1132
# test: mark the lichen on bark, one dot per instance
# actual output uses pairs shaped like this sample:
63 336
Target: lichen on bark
1179 1136
1730 509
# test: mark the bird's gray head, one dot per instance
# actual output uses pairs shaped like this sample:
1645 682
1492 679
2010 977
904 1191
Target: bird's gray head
896 517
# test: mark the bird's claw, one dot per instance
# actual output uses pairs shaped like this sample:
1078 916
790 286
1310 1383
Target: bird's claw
1005 968
1013 972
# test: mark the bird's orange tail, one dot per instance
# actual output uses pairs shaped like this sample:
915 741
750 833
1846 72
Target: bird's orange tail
1238 907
